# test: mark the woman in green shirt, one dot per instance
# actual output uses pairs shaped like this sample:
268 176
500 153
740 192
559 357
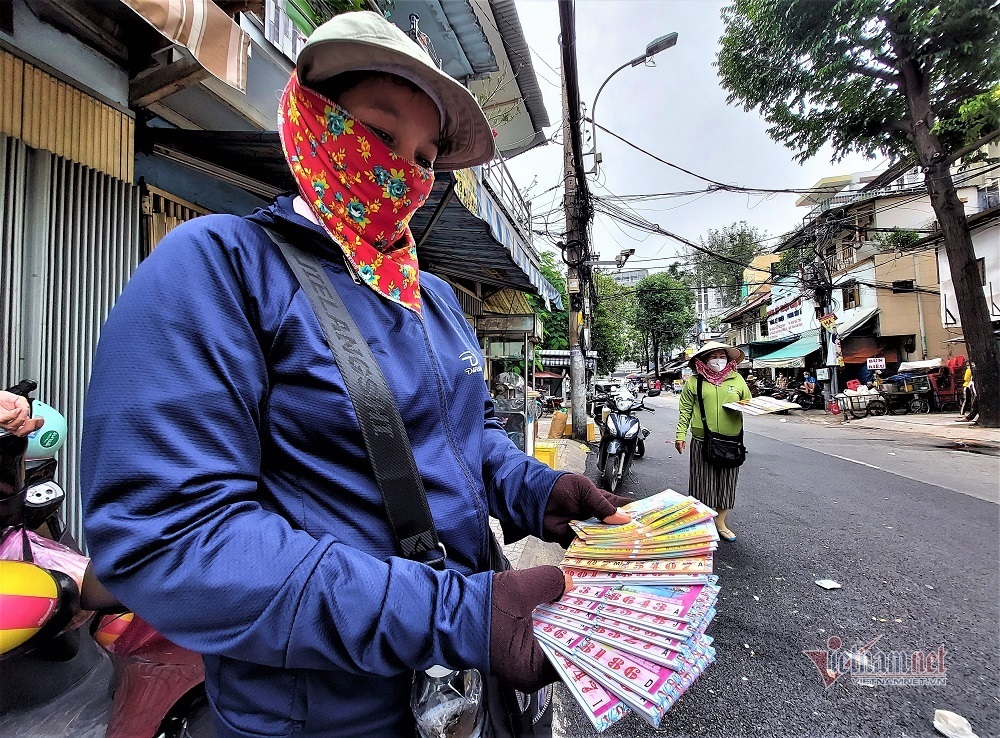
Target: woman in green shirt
716 364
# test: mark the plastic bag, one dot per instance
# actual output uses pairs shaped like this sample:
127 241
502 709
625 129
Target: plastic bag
18 544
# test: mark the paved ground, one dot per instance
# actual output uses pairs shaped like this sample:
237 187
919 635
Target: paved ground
910 529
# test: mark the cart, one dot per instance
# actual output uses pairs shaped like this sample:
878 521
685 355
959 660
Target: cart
908 396
861 406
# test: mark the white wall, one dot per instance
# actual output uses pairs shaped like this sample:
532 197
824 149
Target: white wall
986 241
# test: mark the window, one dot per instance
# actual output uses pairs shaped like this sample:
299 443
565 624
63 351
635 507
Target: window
763 328
902 285
850 296
981 263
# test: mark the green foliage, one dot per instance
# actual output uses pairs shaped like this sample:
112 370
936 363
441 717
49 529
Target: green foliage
324 10
977 117
738 242
611 330
897 239
834 70
792 260
664 310
555 323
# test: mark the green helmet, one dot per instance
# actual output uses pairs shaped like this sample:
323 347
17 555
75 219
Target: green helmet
47 440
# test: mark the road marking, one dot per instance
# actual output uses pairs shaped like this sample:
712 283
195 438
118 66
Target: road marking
855 461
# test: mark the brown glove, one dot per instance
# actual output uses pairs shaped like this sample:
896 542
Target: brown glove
574 497
515 655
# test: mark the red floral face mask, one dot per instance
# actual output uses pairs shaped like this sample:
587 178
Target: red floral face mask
361 191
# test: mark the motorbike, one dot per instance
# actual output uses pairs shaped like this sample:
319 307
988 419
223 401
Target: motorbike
551 404
74 660
622 438
806 400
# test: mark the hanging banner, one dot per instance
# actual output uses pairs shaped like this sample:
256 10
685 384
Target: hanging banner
828 321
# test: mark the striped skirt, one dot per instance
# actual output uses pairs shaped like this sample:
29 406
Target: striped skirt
711 485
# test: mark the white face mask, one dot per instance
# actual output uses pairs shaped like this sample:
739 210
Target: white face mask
718 365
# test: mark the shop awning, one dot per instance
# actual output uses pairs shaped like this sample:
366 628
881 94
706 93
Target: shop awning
855 321
792 356
548 375
218 44
473 238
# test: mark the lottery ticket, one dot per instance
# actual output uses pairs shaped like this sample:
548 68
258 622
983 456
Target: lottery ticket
601 707
630 634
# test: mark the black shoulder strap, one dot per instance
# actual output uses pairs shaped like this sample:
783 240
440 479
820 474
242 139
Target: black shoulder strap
381 425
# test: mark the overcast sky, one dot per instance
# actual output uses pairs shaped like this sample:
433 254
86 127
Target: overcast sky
676 110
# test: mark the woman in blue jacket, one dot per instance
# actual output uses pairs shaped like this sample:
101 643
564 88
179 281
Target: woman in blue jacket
228 496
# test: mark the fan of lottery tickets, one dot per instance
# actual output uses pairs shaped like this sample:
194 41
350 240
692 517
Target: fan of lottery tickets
631 632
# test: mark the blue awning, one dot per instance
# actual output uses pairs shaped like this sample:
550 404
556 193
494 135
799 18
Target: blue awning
792 356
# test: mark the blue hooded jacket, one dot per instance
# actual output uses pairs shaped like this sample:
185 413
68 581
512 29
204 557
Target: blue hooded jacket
229 500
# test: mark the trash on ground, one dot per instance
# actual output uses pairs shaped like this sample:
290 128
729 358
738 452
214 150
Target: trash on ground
953 725
828 584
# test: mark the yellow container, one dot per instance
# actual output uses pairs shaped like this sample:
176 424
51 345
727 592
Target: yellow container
546 453
591 430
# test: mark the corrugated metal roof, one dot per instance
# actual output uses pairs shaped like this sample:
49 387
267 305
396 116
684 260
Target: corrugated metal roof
462 245
509 25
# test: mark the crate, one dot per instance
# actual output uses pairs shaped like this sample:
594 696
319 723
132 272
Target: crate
546 453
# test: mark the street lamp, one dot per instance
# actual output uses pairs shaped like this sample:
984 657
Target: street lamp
653 48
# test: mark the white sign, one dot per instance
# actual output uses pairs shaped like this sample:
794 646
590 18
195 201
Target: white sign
823 374
786 319
876 362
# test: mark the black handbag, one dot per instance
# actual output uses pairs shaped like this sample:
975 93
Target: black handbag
510 713
722 451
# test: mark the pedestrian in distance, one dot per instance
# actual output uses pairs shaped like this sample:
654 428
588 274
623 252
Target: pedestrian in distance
715 363
968 392
972 407
229 495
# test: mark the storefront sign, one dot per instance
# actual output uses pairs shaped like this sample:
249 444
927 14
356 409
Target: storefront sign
828 321
785 319
876 362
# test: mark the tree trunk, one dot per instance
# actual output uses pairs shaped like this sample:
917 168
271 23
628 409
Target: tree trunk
973 309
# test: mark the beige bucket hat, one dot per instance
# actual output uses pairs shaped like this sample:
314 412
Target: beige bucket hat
365 41
733 352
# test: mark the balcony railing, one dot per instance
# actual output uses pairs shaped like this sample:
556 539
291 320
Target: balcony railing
893 189
498 180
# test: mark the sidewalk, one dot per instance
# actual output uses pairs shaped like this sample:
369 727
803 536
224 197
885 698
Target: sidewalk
937 425
570 455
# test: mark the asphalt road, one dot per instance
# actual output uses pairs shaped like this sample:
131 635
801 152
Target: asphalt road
915 544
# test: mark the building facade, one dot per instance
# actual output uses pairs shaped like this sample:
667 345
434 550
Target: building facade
120 120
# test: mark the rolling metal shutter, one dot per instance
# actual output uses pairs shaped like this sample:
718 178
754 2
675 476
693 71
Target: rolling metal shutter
70 242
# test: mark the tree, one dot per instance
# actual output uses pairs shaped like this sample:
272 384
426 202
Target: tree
879 77
555 323
664 310
613 318
737 244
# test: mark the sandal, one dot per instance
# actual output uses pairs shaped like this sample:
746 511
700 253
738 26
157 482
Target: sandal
726 534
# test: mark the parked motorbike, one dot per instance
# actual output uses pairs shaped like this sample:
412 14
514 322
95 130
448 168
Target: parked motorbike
116 679
622 438
551 404
806 400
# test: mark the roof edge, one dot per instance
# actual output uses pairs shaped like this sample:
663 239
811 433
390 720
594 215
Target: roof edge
516 47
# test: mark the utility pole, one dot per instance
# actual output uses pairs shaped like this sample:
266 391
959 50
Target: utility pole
577 209
573 254
823 292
